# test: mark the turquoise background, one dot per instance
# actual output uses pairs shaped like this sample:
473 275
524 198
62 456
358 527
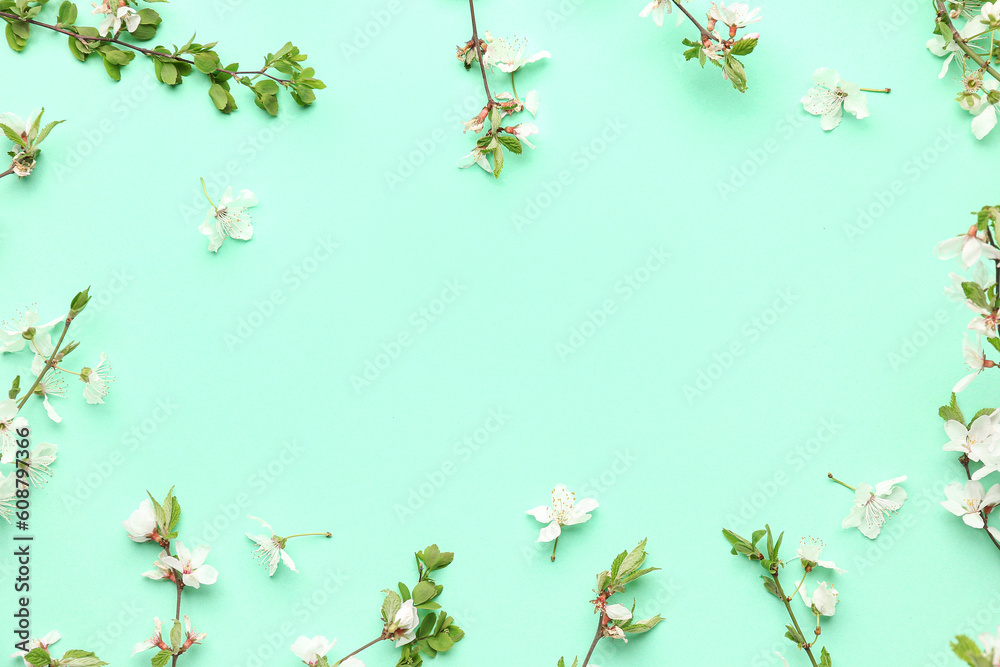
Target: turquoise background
235 370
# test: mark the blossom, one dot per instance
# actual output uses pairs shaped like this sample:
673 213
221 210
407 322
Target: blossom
191 636
980 276
50 385
968 247
937 46
809 551
975 359
36 464
509 56
824 598
405 623
524 130
310 651
7 491
986 323
969 500
984 109
565 511
21 128
477 156
141 524
160 571
737 15
113 23
618 612
96 380
271 549
230 219
614 632
191 565
510 104
656 9
991 647
44 643
156 639
831 95
873 506
975 442
16 334
10 423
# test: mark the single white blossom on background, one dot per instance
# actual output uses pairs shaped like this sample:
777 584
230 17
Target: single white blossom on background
155 639
969 499
160 571
873 507
191 565
975 359
14 335
968 247
97 380
113 23
45 642
824 599
510 56
975 442
230 218
7 490
809 551
270 549
565 511
831 95
10 423
141 524
310 651
36 464
406 621
50 385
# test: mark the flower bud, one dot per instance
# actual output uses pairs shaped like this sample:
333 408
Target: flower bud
80 302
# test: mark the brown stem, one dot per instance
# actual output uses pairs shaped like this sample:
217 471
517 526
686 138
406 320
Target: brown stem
48 364
944 17
8 172
382 637
791 614
177 616
479 55
152 53
705 34
597 638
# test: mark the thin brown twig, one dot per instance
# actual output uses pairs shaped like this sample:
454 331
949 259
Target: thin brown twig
479 55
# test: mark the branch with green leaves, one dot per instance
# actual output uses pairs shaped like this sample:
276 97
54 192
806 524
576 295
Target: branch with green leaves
712 45
283 69
412 618
156 522
823 601
615 621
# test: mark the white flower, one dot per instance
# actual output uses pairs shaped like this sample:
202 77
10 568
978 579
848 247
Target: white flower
969 499
614 632
980 275
192 637
230 219
475 157
160 571
975 442
509 56
531 102
975 359
7 489
871 507
406 621
986 323
155 639
96 380
824 598
656 9
968 247
984 110
310 651
831 95
113 23
524 130
37 463
565 511
141 524
45 642
51 385
937 46
15 335
618 612
737 15
271 549
10 423
191 565
809 551
991 647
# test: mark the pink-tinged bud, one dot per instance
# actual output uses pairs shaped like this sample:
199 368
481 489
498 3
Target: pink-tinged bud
732 31
753 35
711 24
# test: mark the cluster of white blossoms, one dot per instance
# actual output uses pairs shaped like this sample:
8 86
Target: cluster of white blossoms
402 630
978 32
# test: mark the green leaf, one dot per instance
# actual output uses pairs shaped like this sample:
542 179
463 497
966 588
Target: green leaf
13 41
966 649
168 73
38 657
207 62
266 87
794 635
995 342
734 71
497 161
67 13
45 131
390 605
15 388
975 294
426 627
161 658
511 143
744 46
423 592
634 559
177 635
440 642
771 586
951 411
175 512
824 659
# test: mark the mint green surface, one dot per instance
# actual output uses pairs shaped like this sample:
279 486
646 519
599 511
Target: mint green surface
235 370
